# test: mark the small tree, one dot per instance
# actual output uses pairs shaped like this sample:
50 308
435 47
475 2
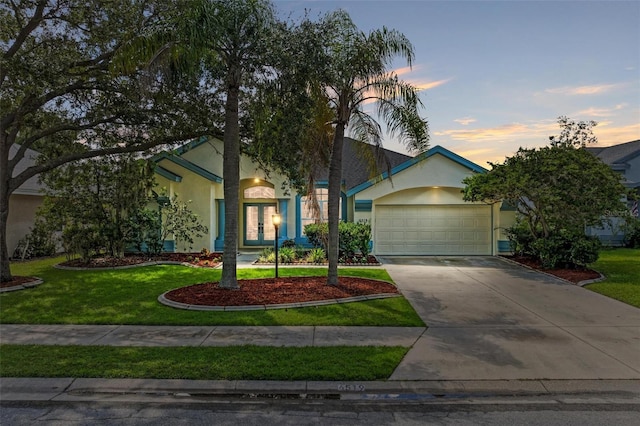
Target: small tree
557 190
178 220
96 202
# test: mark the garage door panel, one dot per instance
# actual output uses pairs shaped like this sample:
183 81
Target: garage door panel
432 230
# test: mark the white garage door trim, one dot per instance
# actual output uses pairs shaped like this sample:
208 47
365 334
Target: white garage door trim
432 230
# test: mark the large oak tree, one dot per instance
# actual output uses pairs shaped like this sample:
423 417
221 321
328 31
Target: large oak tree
71 88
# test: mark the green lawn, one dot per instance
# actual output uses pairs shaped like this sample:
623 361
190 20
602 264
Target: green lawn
198 363
622 268
129 296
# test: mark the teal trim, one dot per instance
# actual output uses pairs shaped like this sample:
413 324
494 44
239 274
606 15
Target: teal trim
168 174
194 143
299 219
504 246
418 158
169 246
189 166
363 205
506 207
219 243
283 209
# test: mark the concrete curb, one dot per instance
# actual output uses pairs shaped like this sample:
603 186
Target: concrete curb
580 283
92 389
162 299
23 286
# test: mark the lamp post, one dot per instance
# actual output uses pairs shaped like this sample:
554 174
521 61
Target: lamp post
276 223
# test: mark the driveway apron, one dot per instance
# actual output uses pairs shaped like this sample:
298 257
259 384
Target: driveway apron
489 319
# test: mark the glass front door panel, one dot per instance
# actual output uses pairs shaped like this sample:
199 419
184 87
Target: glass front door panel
253 222
269 230
258 224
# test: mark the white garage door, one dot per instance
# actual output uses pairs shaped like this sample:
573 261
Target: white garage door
433 230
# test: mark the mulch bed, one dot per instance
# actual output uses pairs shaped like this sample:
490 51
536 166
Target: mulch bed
17 281
275 291
572 275
210 260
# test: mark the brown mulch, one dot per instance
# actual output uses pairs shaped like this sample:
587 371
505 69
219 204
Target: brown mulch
281 290
572 275
210 260
17 281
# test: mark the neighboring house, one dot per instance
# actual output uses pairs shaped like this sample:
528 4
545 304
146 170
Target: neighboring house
24 201
419 211
623 158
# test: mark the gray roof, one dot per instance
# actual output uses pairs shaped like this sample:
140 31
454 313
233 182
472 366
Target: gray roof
617 154
32 186
356 167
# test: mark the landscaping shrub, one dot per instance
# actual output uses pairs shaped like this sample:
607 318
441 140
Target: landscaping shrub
38 243
267 255
566 249
286 255
353 237
632 233
316 255
317 234
289 243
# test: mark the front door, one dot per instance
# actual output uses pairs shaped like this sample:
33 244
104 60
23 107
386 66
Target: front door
258 224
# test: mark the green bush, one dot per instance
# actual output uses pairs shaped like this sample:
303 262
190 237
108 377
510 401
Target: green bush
353 237
317 234
565 249
286 255
267 255
520 239
39 242
316 255
289 243
632 233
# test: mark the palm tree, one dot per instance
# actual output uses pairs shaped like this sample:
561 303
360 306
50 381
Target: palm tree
357 74
223 43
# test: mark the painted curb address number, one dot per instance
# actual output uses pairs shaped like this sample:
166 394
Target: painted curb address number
351 388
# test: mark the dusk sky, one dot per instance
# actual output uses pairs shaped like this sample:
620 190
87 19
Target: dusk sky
496 75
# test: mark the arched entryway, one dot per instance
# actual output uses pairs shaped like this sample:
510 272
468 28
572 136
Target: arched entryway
259 204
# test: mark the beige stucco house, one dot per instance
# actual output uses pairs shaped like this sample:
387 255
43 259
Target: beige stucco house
416 209
24 201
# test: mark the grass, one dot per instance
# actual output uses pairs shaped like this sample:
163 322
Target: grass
129 296
198 363
622 268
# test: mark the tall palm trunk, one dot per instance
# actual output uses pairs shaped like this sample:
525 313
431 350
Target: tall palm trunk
335 180
231 173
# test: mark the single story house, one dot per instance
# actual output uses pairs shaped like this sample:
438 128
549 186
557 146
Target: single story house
416 209
623 158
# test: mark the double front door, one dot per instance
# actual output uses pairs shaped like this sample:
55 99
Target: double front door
258 224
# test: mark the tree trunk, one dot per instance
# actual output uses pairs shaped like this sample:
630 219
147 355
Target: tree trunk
5 270
335 180
231 174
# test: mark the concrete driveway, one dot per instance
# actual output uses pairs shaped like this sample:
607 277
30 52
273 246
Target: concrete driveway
489 319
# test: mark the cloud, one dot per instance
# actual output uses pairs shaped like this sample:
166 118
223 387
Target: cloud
595 89
612 135
600 112
426 85
503 132
407 70
465 121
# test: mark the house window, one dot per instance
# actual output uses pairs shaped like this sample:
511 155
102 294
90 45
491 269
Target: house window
259 192
306 216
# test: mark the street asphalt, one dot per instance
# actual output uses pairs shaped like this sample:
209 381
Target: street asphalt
493 328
